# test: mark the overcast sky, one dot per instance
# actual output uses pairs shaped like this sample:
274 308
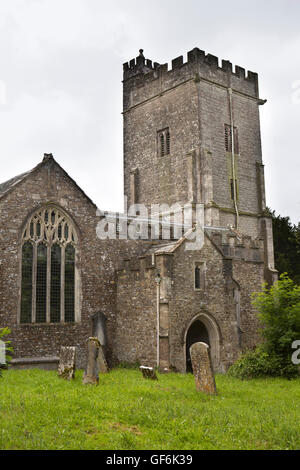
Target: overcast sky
61 71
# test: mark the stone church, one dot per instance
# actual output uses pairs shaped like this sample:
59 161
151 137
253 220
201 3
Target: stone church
191 137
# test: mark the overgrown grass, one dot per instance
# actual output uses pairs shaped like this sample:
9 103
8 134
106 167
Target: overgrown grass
38 410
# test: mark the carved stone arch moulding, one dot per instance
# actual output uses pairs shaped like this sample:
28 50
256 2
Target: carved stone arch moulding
50 225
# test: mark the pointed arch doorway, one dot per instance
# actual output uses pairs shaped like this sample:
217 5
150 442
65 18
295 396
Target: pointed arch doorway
203 329
196 332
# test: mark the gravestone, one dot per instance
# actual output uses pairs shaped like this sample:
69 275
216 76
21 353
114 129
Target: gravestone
91 374
66 366
148 372
202 368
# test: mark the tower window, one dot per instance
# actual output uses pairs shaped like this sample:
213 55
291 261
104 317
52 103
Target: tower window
163 141
228 139
167 142
162 145
48 289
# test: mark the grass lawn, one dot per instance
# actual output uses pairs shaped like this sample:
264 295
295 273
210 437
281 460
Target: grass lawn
38 410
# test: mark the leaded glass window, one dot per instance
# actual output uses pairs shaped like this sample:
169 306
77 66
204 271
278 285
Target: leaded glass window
26 301
48 287
55 287
41 283
69 282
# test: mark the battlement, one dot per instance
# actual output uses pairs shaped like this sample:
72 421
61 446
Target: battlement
239 247
231 245
199 65
137 266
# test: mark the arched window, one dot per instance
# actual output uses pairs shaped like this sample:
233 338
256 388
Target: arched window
48 285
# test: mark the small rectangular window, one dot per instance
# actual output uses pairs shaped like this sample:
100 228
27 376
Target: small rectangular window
199 276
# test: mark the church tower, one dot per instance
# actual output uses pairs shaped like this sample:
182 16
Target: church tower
192 135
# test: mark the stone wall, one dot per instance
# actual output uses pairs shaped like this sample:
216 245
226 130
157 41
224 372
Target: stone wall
161 179
135 334
97 261
181 304
192 100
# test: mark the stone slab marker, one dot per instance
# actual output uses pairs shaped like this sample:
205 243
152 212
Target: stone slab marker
148 373
66 366
202 368
91 374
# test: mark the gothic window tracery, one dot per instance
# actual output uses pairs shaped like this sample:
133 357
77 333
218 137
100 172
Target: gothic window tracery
48 284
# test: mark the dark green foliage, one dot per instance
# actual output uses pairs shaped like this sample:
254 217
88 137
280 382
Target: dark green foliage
279 312
4 332
256 363
286 246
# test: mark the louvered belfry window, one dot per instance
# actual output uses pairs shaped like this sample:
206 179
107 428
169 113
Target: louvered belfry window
164 142
48 285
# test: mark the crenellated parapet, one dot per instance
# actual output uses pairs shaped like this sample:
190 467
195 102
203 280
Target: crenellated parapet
142 72
241 247
137 267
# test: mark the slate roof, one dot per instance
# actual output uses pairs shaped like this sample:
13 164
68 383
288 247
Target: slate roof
7 185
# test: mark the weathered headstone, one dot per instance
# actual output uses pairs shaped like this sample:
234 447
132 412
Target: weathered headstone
202 368
66 366
101 361
148 372
91 374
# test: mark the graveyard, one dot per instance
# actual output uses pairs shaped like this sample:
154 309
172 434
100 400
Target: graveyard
40 410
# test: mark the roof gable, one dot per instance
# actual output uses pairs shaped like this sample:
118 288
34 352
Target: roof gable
11 184
171 247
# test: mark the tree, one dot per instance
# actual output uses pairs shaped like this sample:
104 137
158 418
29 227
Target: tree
278 310
286 246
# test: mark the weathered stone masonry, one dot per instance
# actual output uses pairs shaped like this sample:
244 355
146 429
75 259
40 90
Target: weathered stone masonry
145 289
97 261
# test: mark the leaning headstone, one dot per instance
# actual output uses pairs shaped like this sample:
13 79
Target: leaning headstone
91 374
66 366
148 372
101 361
202 368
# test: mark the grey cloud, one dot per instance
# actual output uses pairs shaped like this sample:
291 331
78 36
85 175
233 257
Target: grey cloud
62 60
